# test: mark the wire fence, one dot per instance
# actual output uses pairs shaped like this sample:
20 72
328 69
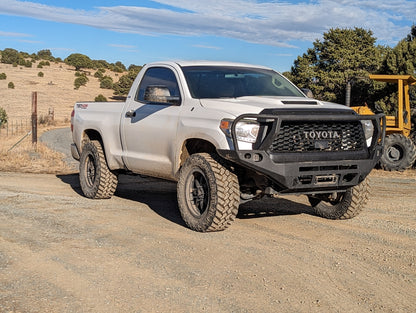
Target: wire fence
15 127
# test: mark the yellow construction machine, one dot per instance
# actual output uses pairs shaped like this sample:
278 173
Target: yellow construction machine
399 149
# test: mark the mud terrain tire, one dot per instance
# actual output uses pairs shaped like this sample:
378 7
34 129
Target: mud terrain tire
208 193
399 153
344 205
96 179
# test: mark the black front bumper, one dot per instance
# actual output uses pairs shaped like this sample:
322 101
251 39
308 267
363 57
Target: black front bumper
311 171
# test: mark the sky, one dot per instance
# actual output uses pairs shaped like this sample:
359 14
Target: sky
270 33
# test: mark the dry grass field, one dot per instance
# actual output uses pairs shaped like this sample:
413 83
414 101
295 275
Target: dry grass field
55 92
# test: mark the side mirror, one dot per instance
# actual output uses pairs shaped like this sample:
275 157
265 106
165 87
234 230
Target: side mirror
307 92
160 94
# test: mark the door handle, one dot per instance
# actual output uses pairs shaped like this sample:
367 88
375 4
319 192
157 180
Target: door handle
131 113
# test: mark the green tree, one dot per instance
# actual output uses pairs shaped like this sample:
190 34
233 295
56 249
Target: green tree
412 34
80 81
10 85
3 76
10 56
100 64
45 55
120 65
99 73
122 87
79 61
401 60
3 116
344 56
106 82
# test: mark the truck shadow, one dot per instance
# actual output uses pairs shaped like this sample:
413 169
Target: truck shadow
160 196
71 180
273 207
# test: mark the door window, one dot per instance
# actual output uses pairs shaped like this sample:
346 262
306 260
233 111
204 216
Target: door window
159 85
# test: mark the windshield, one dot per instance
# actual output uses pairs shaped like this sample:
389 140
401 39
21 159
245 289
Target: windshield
232 82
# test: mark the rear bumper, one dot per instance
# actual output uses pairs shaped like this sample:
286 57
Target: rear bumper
75 152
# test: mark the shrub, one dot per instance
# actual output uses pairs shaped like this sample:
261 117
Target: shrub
99 73
106 82
3 116
46 120
10 85
80 81
40 74
43 63
100 98
3 76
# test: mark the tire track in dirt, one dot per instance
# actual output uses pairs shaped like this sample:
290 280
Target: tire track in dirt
61 252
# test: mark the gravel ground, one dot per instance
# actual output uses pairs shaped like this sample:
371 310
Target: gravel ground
60 140
61 252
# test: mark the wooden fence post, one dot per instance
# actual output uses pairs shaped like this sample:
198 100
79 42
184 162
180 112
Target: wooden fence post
34 118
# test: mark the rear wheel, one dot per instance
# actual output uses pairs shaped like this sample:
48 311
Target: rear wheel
341 205
208 193
96 179
399 153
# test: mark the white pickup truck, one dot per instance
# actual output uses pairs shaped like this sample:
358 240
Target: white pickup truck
227 133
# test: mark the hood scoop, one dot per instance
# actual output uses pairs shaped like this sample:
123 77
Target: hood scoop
300 102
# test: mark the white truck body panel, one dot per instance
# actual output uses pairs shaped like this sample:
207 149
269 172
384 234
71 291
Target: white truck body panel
150 143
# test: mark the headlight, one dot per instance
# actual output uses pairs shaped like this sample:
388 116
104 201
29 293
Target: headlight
246 130
368 128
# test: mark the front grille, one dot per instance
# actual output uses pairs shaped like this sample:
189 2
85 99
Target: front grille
318 136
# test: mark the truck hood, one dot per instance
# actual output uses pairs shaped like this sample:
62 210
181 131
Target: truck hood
242 105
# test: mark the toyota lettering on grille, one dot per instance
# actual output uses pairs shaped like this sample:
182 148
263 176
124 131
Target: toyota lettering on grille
317 139
324 134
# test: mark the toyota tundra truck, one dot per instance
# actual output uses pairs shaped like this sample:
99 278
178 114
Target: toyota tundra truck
227 133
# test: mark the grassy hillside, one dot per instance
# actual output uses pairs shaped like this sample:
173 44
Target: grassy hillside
55 90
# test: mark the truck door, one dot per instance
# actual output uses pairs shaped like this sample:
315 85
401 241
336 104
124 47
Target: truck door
149 123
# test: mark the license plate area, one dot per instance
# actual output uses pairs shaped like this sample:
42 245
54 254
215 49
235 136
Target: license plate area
326 180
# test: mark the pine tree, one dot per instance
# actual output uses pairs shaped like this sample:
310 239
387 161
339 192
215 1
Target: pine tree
343 56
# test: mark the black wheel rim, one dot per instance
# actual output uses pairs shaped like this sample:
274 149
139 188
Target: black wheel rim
90 170
197 193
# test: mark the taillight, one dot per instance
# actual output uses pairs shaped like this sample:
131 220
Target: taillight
72 118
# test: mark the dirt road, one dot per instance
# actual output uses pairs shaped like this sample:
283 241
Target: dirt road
61 252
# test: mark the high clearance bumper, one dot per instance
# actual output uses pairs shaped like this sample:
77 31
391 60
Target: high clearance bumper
309 172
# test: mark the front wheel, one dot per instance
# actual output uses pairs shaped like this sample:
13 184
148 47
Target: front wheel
96 179
208 193
342 205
